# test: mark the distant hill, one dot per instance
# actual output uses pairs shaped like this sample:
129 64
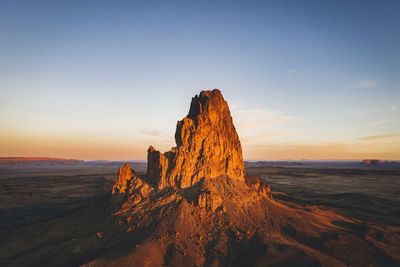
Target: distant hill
4 160
18 162
380 163
257 164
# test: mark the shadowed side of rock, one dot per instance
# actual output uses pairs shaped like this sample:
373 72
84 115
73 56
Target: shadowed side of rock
157 166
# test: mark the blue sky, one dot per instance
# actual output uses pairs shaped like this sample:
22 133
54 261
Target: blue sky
105 79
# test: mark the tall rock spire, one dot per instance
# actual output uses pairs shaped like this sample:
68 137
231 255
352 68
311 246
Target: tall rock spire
207 146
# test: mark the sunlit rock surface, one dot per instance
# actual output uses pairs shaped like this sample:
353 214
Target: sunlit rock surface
207 146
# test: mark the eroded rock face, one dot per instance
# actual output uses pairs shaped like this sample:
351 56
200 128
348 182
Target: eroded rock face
128 183
259 185
209 201
207 146
124 176
157 166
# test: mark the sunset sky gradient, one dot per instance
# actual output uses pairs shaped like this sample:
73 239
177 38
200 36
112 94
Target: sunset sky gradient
105 79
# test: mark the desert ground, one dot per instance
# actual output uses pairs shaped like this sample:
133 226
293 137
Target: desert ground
41 205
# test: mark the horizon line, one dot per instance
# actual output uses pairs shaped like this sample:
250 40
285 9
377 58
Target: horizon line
145 160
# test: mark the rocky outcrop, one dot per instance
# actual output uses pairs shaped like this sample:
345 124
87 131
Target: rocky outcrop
196 193
207 146
203 165
259 185
124 178
128 184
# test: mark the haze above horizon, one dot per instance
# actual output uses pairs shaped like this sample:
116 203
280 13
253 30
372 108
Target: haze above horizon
104 80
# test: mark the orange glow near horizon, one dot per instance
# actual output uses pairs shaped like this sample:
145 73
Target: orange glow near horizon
119 149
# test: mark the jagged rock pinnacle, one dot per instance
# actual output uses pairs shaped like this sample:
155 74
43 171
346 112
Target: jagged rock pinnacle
128 183
122 183
207 146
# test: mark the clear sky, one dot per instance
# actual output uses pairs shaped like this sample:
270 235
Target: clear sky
105 79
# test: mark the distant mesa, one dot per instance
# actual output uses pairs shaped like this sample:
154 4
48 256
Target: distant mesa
381 163
37 160
371 162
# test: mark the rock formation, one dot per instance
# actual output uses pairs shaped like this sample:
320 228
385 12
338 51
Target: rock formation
36 160
124 177
196 207
207 146
130 186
